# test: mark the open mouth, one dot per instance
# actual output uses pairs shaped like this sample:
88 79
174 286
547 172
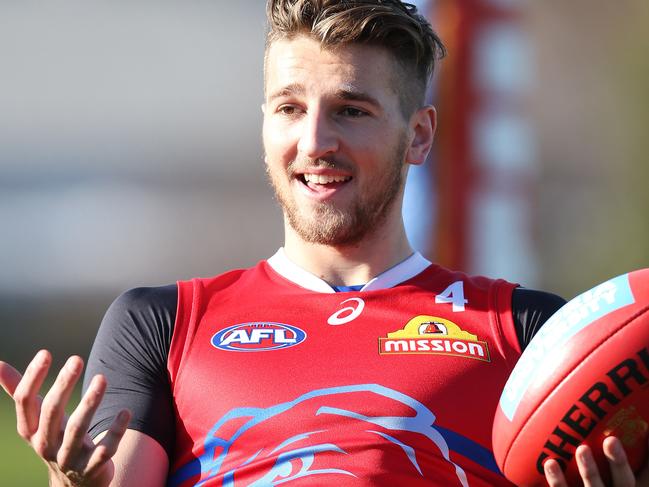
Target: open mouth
323 181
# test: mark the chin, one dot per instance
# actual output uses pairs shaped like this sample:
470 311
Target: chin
332 233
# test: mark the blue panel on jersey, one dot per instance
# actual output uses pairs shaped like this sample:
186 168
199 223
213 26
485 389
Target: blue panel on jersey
344 289
470 449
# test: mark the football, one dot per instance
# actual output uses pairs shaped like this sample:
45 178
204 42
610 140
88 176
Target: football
584 376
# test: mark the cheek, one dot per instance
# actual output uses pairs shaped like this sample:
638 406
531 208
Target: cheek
371 142
277 142
275 170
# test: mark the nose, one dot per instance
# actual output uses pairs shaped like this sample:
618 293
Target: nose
318 137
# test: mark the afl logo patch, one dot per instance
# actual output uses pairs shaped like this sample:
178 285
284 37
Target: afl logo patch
258 336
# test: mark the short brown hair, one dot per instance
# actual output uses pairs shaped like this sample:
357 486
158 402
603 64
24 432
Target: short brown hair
391 24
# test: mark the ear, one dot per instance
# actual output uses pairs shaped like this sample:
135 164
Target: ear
263 108
422 125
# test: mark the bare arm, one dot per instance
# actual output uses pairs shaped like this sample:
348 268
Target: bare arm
139 461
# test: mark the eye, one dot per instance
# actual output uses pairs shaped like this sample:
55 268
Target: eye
353 112
288 110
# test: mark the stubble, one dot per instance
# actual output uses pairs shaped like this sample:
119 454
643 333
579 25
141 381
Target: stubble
328 224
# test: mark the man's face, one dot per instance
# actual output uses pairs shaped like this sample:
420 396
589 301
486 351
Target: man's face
335 138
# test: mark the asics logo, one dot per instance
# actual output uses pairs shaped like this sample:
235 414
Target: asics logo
348 313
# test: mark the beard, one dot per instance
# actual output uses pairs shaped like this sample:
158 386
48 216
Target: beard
326 223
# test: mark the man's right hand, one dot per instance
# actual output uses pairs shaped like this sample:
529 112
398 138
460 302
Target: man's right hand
62 442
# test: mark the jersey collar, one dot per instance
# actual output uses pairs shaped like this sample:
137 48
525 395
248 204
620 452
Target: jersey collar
401 272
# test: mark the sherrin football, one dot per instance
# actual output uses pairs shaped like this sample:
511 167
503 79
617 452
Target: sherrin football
584 376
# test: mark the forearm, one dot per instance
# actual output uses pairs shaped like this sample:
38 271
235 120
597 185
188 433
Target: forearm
139 461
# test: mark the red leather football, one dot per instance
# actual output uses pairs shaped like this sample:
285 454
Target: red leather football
584 376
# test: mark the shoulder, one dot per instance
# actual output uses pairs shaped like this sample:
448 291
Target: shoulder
145 311
436 272
534 300
531 308
143 297
226 280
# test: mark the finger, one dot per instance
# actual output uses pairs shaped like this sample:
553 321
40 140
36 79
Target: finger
621 471
28 403
50 428
9 378
76 443
587 467
107 446
553 474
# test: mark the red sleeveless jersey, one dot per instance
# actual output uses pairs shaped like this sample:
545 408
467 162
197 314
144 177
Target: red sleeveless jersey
277 379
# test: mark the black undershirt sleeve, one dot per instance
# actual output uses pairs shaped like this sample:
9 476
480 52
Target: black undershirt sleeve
132 347
532 308
131 350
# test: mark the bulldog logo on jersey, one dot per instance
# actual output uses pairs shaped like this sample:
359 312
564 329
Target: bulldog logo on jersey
257 336
313 439
433 335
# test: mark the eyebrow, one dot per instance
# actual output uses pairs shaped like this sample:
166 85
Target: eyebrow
349 94
292 89
355 95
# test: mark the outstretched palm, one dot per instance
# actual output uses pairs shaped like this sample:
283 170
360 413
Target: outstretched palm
61 441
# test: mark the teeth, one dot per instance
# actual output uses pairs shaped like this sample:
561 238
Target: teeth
323 179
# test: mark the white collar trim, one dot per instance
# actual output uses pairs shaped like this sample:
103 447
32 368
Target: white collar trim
401 272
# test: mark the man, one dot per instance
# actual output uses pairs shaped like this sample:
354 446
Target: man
346 358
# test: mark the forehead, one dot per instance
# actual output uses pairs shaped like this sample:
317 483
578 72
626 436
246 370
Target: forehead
302 62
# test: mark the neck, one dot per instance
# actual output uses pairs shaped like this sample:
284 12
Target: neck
350 264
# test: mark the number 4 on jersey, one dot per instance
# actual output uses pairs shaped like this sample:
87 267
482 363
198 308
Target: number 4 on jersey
454 294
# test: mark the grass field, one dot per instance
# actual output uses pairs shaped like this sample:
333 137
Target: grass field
19 466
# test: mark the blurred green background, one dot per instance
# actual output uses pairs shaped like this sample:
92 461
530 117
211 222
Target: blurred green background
131 156
20 467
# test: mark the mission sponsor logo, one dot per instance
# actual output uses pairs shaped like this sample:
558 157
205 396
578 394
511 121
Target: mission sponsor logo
258 336
433 335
